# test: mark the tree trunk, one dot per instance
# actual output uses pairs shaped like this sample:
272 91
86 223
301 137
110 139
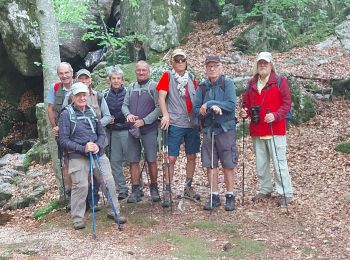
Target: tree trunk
50 55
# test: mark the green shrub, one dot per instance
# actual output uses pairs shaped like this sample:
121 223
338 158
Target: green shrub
43 211
343 147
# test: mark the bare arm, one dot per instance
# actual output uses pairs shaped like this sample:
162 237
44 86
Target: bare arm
163 108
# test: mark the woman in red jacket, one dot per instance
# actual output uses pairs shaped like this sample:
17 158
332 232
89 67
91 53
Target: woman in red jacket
267 100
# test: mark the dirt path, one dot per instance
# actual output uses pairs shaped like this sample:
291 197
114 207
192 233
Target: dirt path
318 225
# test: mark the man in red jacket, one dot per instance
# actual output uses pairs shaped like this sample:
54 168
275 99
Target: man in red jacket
267 103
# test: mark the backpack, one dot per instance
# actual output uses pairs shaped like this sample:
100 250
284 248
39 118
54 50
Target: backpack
289 115
74 119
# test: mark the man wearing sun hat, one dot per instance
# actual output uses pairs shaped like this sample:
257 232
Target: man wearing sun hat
177 89
267 100
215 105
81 133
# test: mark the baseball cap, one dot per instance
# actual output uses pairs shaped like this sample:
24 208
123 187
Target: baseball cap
83 72
212 58
79 88
267 56
178 52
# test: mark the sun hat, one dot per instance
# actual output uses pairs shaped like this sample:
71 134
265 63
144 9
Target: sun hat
178 52
79 88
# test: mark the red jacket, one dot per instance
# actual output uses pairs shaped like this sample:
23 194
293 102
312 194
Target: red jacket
273 98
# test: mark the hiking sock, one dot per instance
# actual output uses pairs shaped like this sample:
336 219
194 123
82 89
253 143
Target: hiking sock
229 193
215 193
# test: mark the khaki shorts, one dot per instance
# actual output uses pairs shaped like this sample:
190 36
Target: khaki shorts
225 150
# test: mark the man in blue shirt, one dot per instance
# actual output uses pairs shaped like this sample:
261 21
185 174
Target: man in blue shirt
215 105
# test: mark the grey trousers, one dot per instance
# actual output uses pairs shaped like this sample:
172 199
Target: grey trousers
119 151
79 169
264 152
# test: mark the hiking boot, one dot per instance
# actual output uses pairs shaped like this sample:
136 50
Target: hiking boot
166 199
142 193
154 193
110 215
79 225
212 204
189 192
122 195
135 195
261 196
281 202
230 202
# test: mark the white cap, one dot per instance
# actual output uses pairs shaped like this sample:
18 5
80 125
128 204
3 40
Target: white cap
79 88
266 56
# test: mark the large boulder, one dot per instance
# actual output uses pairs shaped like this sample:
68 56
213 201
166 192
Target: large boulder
20 36
342 32
164 23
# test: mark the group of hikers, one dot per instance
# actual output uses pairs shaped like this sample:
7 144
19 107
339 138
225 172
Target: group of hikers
127 121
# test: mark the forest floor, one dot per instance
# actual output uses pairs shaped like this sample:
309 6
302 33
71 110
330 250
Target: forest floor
316 225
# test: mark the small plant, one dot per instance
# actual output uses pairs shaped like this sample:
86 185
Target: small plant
43 211
343 147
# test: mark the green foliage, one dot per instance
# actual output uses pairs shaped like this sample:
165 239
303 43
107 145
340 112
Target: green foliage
303 107
142 220
343 147
76 13
43 211
71 12
304 21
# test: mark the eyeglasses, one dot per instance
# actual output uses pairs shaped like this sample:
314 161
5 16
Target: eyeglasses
178 60
213 66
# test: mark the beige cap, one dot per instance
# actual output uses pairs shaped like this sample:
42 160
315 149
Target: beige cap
178 52
79 88
83 72
266 56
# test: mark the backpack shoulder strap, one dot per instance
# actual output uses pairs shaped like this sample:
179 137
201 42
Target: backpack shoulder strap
99 98
279 78
56 86
203 86
223 83
105 93
72 118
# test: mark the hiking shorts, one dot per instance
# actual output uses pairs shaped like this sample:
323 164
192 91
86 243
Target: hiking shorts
225 150
149 144
178 135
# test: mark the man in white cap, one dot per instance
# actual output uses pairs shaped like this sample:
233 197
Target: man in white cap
81 133
177 90
267 100
99 104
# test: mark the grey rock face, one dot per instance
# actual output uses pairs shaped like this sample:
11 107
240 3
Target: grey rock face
164 23
343 33
20 36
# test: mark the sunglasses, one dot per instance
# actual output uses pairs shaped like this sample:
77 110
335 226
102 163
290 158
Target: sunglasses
178 59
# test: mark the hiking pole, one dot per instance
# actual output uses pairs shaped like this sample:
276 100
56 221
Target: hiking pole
109 195
278 164
168 166
110 145
92 196
60 155
243 155
243 162
212 161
